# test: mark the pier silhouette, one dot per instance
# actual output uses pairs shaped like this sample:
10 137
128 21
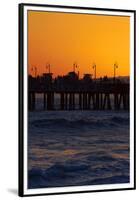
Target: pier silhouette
78 94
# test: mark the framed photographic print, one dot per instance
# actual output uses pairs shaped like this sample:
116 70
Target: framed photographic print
76 99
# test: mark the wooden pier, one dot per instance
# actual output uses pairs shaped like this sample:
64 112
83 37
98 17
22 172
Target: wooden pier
106 98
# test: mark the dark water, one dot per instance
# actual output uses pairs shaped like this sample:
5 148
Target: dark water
78 148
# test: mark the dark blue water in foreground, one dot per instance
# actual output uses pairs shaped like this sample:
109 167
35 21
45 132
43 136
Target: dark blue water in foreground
78 148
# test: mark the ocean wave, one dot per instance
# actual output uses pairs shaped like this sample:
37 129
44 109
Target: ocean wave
78 123
120 120
80 148
55 175
104 158
59 175
109 180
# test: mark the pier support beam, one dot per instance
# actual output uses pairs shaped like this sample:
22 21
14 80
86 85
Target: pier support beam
95 100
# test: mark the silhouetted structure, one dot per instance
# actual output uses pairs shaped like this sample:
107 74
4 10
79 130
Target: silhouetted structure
75 93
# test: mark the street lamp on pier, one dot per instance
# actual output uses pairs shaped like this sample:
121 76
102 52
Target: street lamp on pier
75 66
115 67
48 67
94 67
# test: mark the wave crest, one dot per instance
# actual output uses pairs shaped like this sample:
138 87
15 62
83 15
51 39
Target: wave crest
96 123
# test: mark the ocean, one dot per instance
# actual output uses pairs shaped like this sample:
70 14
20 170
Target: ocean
75 148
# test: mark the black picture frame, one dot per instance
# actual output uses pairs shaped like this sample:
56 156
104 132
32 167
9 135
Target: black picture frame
21 97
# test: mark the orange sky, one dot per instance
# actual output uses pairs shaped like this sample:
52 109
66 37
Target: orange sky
61 39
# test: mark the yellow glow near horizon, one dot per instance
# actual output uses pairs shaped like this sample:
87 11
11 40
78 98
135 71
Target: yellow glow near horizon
62 39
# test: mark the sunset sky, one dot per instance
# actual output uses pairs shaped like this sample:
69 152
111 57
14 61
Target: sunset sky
62 39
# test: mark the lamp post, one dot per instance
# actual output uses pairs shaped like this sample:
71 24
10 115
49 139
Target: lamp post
35 71
115 67
75 66
48 67
94 67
